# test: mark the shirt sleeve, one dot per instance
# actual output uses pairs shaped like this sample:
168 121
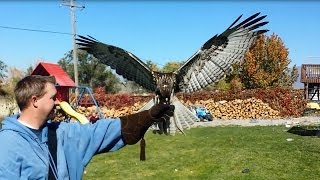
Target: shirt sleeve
82 142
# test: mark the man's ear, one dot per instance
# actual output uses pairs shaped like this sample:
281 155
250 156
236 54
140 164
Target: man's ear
34 101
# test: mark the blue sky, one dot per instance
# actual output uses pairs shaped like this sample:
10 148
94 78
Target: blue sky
159 31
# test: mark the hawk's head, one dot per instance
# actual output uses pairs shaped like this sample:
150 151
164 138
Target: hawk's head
165 83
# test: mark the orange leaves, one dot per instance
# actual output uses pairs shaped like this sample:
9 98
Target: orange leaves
117 101
266 64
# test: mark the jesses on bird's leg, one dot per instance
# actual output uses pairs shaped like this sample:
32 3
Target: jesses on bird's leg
162 125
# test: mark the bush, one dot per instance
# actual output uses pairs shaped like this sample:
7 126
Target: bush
223 85
119 100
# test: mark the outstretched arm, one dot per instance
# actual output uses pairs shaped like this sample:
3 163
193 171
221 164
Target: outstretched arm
77 143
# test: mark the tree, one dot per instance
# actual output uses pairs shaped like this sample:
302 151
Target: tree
265 65
29 70
152 65
3 71
91 72
171 66
14 75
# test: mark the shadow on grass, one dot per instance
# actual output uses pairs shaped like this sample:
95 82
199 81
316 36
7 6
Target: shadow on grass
305 131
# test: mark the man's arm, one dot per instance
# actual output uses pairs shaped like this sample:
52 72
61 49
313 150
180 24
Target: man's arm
81 142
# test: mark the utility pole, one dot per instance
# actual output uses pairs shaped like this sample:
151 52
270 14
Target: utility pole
72 6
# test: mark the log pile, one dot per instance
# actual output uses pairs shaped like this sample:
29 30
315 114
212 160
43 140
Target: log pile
112 112
92 111
251 108
109 112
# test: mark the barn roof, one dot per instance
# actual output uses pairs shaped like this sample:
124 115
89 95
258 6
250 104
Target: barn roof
50 69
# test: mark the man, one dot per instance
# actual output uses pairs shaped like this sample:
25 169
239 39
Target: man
24 152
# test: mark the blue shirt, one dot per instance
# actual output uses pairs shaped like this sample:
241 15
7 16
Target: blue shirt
24 156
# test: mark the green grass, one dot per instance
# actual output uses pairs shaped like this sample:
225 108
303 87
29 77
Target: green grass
214 153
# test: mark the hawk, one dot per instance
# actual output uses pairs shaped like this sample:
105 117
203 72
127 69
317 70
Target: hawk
208 65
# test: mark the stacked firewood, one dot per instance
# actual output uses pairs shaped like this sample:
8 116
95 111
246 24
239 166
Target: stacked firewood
251 108
112 112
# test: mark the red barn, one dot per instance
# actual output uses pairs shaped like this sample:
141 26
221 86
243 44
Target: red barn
64 82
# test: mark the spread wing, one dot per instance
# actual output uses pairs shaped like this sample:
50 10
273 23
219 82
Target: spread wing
123 62
215 58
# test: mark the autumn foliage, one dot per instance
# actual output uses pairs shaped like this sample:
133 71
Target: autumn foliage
266 65
119 100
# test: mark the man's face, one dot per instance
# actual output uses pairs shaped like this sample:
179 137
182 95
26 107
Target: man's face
47 103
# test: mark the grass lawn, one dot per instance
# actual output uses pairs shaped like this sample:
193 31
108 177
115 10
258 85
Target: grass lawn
214 153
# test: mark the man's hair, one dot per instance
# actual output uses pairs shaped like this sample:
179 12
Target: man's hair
29 86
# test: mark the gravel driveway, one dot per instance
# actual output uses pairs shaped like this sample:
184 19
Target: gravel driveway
260 122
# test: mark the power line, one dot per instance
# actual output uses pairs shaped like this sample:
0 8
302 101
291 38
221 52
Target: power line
34 30
55 32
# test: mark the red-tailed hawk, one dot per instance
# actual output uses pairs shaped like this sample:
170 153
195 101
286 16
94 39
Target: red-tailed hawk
208 65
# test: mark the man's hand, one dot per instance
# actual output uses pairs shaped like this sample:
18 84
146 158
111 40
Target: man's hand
161 112
134 126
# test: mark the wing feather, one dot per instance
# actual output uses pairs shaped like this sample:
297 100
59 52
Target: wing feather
123 62
218 54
